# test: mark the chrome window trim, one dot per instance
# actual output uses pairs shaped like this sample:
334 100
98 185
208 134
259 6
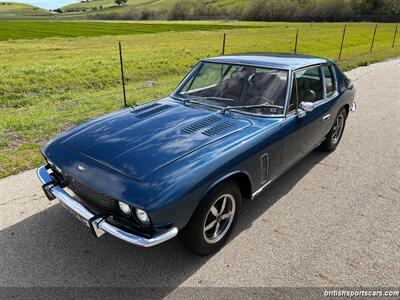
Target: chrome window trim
323 81
335 84
264 66
289 94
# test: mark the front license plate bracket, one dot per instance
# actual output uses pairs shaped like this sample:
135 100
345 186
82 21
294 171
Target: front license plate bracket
97 232
46 189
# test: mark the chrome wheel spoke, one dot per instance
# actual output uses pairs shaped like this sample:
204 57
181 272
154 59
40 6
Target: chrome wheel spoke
216 230
223 206
225 216
209 226
214 211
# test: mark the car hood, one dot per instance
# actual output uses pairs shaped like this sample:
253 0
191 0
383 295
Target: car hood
139 141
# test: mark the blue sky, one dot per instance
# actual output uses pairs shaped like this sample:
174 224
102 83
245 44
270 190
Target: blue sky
49 4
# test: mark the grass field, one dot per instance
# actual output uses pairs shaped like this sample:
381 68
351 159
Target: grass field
11 8
48 85
39 30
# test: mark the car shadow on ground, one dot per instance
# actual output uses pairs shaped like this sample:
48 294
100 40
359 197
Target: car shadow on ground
52 249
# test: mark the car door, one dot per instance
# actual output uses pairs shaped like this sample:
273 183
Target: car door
303 131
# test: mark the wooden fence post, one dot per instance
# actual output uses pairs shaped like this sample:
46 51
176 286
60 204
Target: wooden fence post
122 73
341 45
295 44
373 38
223 44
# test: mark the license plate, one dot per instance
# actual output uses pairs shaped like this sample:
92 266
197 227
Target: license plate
76 215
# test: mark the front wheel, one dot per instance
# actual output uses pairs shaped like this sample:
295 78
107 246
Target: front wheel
213 221
335 134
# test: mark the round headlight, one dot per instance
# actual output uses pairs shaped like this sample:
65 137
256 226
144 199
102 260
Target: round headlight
142 217
125 208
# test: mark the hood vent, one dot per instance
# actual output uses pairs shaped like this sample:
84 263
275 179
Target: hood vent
143 108
199 125
150 110
218 128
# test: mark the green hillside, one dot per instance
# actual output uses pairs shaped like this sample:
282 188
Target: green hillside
109 6
89 5
19 9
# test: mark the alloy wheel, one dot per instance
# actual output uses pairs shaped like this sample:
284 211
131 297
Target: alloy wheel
219 218
337 129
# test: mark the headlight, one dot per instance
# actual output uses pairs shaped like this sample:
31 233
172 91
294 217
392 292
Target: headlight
142 217
125 208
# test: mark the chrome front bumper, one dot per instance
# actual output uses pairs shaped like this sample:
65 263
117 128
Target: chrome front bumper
353 107
99 225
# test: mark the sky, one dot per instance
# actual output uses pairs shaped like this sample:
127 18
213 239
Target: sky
48 4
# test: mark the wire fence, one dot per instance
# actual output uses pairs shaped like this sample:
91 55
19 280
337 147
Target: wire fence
119 94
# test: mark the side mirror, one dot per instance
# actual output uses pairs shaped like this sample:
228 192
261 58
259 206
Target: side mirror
305 107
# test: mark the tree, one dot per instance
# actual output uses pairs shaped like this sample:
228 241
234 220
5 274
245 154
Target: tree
179 11
121 2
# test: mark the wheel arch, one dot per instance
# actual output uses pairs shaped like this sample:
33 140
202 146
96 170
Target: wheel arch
241 178
347 108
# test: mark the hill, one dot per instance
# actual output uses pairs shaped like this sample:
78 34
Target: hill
104 7
145 4
19 9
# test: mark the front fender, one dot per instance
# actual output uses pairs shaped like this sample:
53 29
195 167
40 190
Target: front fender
231 174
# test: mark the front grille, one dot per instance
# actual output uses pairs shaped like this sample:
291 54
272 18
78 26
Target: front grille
93 197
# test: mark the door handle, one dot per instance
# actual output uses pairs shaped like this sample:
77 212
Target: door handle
326 117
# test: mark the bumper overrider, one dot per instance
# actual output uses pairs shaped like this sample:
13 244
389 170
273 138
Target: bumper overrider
98 224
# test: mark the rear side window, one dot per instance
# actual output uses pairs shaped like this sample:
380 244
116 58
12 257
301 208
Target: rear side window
330 86
309 85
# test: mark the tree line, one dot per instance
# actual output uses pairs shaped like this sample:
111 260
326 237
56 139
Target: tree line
272 10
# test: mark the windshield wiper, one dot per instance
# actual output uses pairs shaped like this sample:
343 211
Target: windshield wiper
219 99
225 109
184 101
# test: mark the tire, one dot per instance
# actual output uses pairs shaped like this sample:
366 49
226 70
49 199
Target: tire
203 242
334 136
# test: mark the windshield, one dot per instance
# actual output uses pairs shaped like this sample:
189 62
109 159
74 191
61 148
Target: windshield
245 88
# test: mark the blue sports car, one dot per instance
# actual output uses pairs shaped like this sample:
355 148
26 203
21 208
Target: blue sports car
182 165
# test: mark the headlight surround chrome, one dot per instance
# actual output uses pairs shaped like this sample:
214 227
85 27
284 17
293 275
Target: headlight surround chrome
142 217
125 208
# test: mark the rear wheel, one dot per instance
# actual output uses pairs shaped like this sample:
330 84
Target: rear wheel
335 134
213 222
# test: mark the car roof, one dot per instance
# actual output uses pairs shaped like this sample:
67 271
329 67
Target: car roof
286 61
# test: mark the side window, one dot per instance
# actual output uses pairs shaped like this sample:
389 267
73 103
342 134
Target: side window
293 97
330 86
309 85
